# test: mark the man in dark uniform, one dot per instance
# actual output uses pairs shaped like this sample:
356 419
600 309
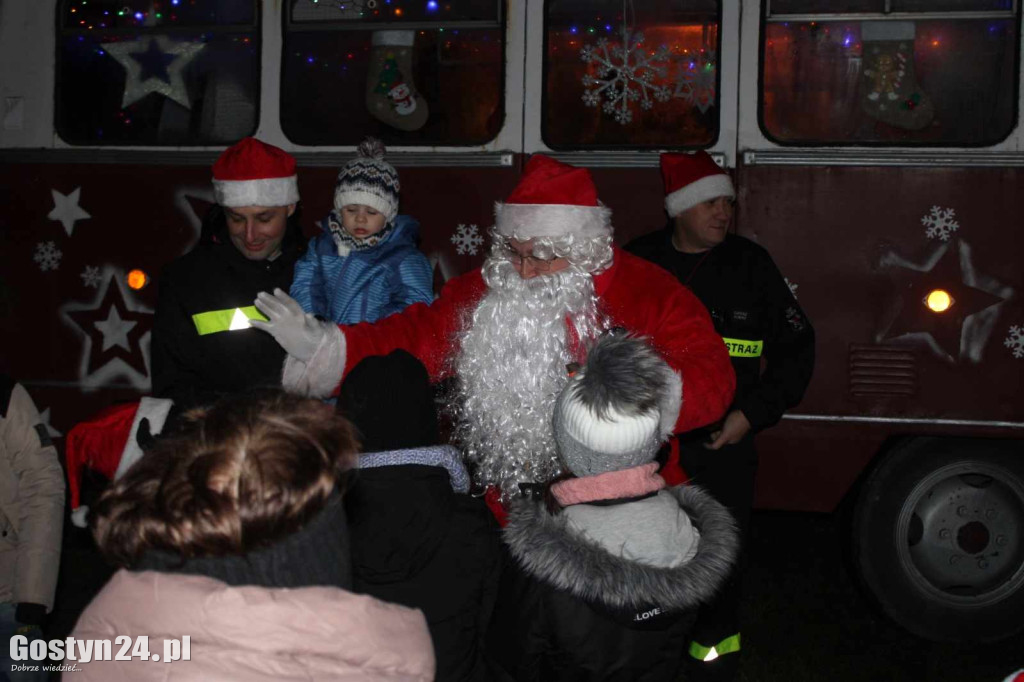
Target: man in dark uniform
771 345
202 344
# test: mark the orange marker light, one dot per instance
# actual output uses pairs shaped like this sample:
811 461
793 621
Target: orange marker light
137 279
938 301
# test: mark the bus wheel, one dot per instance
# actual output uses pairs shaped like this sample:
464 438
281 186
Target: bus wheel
939 537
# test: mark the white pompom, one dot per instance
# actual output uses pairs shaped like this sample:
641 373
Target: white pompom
371 148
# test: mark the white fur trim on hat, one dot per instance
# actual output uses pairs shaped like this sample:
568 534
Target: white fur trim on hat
385 205
669 405
708 187
262 192
530 221
616 434
156 411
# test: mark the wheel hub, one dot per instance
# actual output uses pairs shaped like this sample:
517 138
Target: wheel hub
960 533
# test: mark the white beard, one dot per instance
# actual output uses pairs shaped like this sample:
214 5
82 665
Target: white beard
511 367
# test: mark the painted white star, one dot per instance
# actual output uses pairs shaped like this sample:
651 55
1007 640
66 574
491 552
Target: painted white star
44 419
66 209
135 88
115 330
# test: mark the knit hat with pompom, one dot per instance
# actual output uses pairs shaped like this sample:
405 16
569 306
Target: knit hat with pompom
618 409
369 180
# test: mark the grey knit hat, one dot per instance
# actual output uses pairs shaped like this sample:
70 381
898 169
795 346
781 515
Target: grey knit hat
609 415
369 180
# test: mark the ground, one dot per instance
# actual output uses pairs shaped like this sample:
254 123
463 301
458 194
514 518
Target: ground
806 620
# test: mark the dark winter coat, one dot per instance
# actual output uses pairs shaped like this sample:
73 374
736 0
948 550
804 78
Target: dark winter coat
418 543
752 308
569 610
31 506
366 285
193 369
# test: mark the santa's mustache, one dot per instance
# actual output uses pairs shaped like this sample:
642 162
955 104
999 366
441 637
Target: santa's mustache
511 367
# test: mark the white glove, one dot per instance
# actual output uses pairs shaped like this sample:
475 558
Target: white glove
298 332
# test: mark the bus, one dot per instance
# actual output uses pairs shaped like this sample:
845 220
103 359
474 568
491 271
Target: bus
876 145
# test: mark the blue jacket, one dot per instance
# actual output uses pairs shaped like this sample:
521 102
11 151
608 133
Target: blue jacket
363 286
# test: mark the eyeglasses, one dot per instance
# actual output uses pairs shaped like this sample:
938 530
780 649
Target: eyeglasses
519 260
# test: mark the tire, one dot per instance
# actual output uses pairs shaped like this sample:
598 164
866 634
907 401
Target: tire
939 537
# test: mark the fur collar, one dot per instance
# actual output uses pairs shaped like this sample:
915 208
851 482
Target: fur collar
548 550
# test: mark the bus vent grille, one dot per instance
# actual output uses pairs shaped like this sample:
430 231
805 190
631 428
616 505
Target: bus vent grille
882 370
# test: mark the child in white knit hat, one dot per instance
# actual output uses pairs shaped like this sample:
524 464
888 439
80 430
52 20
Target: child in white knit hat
606 578
366 264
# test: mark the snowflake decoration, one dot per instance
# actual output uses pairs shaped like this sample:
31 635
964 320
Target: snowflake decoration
792 287
91 277
939 223
467 240
696 81
795 318
624 74
1015 341
47 256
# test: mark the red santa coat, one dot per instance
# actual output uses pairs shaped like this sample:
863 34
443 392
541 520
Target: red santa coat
632 293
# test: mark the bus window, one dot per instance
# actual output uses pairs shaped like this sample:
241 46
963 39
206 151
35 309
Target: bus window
605 89
168 72
942 73
426 73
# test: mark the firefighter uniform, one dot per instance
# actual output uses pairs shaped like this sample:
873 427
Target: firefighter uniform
771 345
202 346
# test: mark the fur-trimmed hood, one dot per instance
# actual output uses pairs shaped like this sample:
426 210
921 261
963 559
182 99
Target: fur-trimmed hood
549 550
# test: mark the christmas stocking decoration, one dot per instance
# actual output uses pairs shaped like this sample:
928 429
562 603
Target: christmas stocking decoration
889 91
391 96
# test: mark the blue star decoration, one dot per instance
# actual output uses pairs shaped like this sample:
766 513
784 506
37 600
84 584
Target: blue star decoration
156 66
154 62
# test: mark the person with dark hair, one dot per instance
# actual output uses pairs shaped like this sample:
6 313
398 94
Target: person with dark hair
211 525
606 577
418 538
31 513
202 346
771 347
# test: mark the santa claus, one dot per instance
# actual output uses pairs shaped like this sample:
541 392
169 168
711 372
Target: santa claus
511 331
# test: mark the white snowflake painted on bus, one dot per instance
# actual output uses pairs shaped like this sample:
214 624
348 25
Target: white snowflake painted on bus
696 81
91 277
795 318
47 256
1015 341
939 223
792 287
467 240
625 73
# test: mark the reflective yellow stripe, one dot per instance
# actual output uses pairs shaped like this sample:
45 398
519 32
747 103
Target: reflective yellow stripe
221 320
743 348
729 645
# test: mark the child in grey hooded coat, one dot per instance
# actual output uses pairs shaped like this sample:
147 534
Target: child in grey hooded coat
606 575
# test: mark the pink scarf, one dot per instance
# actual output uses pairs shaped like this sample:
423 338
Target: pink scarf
612 485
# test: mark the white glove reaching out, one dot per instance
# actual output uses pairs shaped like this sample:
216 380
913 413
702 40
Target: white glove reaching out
298 332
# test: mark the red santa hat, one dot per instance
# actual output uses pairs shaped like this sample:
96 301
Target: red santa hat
254 173
691 179
551 200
